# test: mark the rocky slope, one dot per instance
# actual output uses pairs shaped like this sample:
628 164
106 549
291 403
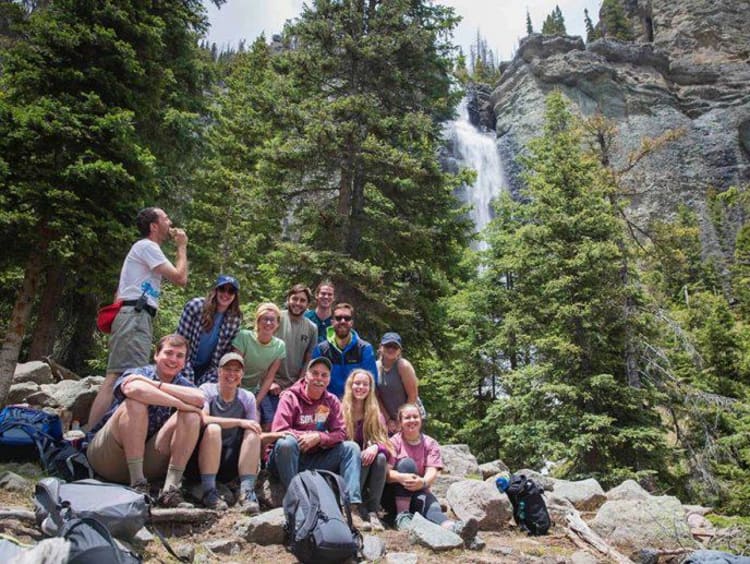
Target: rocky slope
689 71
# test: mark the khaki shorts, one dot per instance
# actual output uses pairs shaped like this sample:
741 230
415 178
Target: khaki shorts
131 340
107 457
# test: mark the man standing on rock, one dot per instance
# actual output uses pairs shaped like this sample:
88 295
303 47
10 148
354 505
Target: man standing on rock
139 289
312 435
300 336
321 315
152 426
345 350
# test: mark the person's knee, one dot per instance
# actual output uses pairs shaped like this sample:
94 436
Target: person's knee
286 447
190 420
133 409
212 432
406 466
251 437
380 462
350 449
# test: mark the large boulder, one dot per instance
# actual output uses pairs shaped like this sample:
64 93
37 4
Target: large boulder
558 507
19 392
492 469
632 524
458 461
441 484
74 395
269 490
35 371
481 500
629 489
585 495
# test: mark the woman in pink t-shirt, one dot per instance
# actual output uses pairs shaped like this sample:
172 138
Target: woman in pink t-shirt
413 468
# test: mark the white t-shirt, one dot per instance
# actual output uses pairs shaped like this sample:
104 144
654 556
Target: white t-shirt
138 274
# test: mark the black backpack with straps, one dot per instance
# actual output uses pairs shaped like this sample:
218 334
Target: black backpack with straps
529 509
317 531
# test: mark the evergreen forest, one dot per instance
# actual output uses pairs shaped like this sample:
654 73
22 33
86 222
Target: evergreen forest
576 340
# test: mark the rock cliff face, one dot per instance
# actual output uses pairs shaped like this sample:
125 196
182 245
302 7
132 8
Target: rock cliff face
689 70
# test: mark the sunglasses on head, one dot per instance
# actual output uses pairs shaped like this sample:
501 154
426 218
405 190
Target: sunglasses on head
227 289
342 317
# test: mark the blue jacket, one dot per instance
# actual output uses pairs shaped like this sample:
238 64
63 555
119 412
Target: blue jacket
357 354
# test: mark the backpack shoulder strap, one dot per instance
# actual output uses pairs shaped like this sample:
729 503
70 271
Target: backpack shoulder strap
339 490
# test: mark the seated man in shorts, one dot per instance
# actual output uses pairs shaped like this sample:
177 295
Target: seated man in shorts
152 426
230 444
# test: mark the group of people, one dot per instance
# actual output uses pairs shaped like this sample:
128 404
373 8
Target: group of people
300 390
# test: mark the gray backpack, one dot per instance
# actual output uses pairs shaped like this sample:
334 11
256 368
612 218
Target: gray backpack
317 531
121 510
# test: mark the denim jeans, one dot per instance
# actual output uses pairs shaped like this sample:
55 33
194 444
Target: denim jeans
422 501
372 482
286 461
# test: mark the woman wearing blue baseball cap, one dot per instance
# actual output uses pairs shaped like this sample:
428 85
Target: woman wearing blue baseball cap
210 325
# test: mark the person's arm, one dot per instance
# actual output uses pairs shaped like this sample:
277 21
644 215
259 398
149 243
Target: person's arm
177 273
430 475
187 394
286 413
148 391
268 380
409 380
231 423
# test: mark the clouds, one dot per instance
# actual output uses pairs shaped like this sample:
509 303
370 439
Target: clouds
501 22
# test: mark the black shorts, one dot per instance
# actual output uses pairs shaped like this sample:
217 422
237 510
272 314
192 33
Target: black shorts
228 461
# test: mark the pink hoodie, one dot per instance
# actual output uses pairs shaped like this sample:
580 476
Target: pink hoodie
298 414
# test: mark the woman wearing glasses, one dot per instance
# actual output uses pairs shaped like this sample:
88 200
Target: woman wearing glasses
210 325
261 351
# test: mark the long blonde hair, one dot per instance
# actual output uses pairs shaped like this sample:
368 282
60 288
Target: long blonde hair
372 425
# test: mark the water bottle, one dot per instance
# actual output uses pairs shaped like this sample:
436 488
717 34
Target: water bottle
502 482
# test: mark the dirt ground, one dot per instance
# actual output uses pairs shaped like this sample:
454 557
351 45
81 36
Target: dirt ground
506 546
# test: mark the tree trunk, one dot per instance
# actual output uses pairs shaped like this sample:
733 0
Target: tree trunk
45 330
19 318
357 215
75 349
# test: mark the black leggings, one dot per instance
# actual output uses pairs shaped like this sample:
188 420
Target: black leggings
422 501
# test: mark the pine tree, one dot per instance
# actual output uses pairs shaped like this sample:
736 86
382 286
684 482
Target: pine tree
368 84
93 95
529 27
569 398
554 24
591 33
613 22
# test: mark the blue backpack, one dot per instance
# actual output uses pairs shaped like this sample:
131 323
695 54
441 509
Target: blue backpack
32 434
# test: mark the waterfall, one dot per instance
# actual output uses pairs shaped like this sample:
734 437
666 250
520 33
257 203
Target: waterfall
477 150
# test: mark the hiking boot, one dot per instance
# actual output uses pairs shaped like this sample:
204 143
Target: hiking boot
212 500
142 487
172 498
403 521
250 505
357 521
467 530
375 524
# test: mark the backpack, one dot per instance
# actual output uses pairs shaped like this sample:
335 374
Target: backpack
19 424
91 543
121 510
315 527
529 509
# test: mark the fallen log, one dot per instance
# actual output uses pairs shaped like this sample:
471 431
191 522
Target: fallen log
578 528
182 515
18 513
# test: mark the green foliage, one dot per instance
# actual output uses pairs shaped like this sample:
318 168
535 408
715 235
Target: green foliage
613 22
591 32
483 67
529 27
554 24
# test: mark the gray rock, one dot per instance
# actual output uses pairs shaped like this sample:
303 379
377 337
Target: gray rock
657 522
458 461
585 495
492 469
12 482
19 392
699 509
185 550
401 558
74 395
35 371
629 489
441 484
558 507
435 537
223 546
547 482
481 500
583 557
264 529
373 548
144 535
504 550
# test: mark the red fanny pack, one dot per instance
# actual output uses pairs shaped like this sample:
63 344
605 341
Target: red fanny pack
107 315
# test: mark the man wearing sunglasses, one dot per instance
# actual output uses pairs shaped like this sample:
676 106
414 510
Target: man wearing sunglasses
345 349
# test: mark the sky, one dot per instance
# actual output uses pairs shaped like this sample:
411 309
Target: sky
500 22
